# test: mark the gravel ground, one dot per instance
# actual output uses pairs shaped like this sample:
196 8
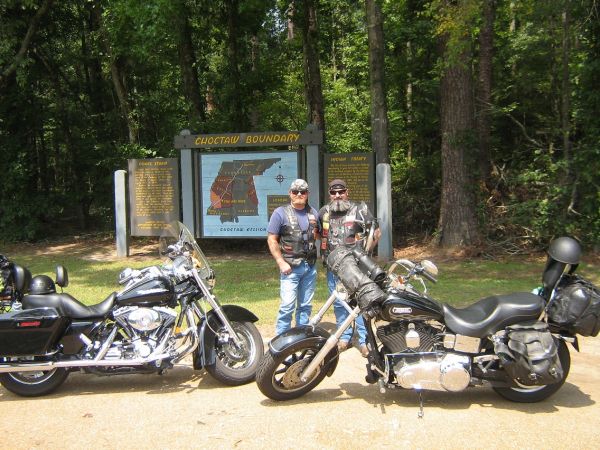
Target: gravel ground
188 409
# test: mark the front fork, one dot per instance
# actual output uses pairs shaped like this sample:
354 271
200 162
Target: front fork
217 309
331 340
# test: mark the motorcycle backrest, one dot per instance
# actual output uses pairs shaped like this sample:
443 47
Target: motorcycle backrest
22 278
62 276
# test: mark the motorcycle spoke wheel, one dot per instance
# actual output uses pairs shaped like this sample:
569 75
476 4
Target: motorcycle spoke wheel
280 377
533 394
237 365
33 384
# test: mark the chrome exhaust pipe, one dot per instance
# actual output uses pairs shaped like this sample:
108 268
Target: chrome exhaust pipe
50 365
191 332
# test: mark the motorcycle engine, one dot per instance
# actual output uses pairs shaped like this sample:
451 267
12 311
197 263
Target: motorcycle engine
144 326
439 372
416 354
408 336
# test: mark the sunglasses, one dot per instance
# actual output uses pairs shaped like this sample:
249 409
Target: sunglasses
341 192
297 192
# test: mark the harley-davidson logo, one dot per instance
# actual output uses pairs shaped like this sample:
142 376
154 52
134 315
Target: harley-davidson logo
399 310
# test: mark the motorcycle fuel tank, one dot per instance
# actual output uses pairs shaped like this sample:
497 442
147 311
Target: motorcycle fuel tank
153 292
404 305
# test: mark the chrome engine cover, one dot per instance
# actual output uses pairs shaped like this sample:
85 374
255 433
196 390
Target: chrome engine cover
144 319
449 372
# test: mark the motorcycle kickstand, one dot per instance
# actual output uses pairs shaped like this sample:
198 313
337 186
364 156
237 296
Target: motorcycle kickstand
421 412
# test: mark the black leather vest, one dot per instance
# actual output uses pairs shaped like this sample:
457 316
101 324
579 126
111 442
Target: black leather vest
297 245
343 228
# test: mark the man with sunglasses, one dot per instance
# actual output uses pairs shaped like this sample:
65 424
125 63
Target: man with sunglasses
293 230
340 227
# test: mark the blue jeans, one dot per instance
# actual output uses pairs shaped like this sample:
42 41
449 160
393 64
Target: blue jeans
297 290
341 314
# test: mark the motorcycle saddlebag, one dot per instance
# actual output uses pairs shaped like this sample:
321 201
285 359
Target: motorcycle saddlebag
576 306
529 354
31 332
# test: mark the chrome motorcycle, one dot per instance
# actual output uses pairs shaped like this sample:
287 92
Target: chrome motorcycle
162 314
515 343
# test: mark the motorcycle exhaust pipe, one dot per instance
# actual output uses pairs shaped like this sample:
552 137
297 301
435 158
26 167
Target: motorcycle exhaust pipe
191 332
35 367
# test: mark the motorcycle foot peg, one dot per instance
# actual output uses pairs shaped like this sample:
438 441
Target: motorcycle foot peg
381 385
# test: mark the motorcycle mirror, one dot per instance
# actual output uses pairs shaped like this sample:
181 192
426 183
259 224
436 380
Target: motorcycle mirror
429 267
164 244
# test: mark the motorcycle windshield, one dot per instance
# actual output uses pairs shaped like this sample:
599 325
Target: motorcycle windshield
185 237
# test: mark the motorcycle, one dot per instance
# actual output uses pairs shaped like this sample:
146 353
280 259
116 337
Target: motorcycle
162 314
515 343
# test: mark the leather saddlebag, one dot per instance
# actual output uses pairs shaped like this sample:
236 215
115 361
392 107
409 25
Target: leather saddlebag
576 306
530 355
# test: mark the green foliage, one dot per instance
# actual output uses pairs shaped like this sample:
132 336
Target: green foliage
63 129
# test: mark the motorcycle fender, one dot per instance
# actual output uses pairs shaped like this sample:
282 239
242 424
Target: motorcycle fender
205 354
300 336
570 340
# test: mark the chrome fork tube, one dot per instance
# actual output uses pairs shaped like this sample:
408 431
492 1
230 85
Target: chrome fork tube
319 315
217 308
329 344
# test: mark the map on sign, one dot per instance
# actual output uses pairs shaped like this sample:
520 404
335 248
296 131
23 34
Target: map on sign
240 190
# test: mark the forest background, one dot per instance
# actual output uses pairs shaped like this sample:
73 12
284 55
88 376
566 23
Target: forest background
487 111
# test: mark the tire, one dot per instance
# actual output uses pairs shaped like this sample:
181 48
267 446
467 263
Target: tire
533 394
234 366
278 377
33 384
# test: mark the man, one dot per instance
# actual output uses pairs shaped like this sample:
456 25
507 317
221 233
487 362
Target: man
340 227
293 230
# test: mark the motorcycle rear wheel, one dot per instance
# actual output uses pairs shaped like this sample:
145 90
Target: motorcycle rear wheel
234 366
278 377
533 394
33 384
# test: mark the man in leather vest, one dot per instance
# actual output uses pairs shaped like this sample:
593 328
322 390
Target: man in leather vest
340 228
293 230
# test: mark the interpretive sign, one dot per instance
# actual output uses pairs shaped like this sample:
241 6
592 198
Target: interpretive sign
239 190
153 195
252 139
358 172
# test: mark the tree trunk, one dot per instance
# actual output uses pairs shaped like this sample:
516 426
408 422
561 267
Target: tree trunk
312 70
379 119
118 78
187 64
12 68
484 91
566 90
457 224
233 56
254 111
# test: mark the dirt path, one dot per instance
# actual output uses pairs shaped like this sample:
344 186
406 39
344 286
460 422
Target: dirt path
187 409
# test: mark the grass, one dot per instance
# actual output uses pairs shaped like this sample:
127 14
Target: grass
253 281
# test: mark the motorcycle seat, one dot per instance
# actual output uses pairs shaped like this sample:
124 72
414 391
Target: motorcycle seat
67 306
491 314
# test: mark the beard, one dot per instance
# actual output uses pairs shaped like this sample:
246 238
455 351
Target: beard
340 205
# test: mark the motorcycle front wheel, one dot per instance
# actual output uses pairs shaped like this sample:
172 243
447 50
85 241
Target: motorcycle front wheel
237 365
533 394
279 377
33 384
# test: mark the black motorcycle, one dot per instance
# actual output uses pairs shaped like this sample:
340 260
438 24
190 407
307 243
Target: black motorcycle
162 314
515 343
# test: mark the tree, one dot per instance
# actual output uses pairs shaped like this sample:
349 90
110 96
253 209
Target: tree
312 69
457 224
484 90
379 119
